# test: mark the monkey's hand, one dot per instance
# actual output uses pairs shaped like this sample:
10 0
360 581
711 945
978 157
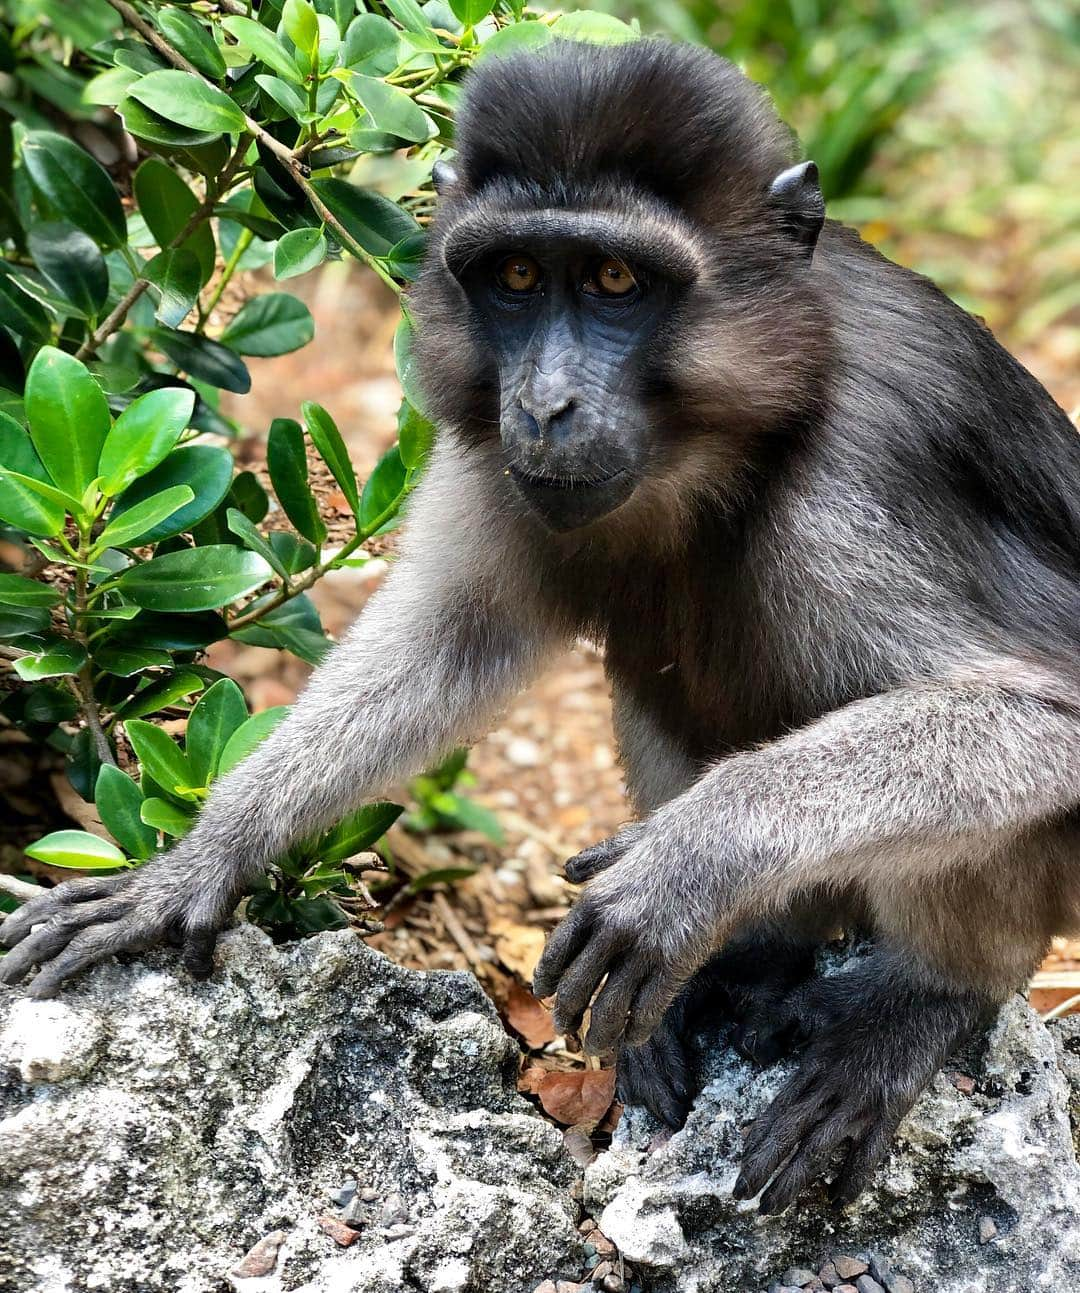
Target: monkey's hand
81 922
643 921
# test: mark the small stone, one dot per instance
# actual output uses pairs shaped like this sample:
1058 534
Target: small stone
604 1269
355 1214
987 1229
798 1276
523 753
262 1258
548 1286
393 1211
829 1275
963 1083
587 1226
900 1284
850 1268
845 1288
345 1195
569 1286
368 1195
399 1231
338 1231
601 1243
612 1283
815 1286
867 1284
590 1253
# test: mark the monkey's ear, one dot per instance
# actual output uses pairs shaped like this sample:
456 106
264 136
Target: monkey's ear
444 176
795 195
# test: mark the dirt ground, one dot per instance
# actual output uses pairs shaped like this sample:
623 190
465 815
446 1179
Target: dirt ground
548 770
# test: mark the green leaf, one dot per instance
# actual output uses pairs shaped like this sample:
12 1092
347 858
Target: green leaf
405 258
21 313
515 37
188 101
167 204
178 632
382 490
206 468
47 492
162 693
391 110
48 703
124 661
468 814
18 621
109 87
375 222
327 440
153 129
158 754
371 45
358 832
218 714
246 532
75 186
250 734
137 520
17 590
263 44
274 324
409 14
406 365
175 278
416 435
287 461
77 849
441 875
470 12
207 360
593 28
69 418
143 435
191 38
294 553
301 24
168 818
298 251
119 802
60 658
195 579
71 263
20 506
288 98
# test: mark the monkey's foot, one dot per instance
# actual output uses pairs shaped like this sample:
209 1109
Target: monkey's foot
756 985
877 1037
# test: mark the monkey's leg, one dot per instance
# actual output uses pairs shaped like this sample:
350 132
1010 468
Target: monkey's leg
433 658
752 984
880 1030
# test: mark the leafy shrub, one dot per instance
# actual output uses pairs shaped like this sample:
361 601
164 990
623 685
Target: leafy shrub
149 152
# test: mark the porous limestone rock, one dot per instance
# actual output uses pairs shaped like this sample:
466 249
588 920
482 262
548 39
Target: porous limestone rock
155 1131
993 1156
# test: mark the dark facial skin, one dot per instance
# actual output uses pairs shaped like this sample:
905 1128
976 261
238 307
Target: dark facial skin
568 329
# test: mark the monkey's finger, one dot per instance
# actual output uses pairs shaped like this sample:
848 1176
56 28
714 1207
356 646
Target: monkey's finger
775 1134
863 1159
611 1007
86 949
808 1161
648 1009
53 903
49 940
580 981
563 945
198 954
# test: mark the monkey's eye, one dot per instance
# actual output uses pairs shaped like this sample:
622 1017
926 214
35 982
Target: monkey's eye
519 274
610 278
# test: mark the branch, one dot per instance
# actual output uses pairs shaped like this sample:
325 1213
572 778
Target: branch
20 889
292 162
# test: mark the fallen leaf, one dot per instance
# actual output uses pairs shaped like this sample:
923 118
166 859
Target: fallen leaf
532 1079
518 947
574 1098
527 1016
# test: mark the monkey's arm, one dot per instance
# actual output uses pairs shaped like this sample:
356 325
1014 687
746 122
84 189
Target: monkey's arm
430 661
892 790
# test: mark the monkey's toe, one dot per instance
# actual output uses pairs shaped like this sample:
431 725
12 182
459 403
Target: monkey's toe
660 1075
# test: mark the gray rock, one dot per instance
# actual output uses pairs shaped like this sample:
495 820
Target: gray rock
1004 1151
154 1131
798 1277
867 1284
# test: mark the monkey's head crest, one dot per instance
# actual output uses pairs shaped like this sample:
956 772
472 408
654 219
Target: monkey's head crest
618 274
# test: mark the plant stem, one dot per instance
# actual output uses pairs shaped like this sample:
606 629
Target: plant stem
287 156
243 242
84 684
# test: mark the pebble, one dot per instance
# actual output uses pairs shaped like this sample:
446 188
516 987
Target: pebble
601 1243
393 1211
612 1283
987 1229
829 1276
900 1284
587 1226
368 1194
338 1231
845 1288
963 1083
346 1193
548 1286
354 1214
850 1268
867 1284
601 1272
262 1258
396 1232
523 753
798 1276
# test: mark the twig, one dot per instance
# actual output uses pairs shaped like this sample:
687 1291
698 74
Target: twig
20 889
289 159
460 935
1062 1009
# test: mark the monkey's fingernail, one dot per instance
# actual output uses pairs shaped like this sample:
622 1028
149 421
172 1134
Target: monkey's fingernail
741 1190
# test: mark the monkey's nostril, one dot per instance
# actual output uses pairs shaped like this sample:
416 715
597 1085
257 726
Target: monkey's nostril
530 425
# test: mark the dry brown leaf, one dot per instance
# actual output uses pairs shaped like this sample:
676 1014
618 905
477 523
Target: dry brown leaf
527 1016
576 1098
518 947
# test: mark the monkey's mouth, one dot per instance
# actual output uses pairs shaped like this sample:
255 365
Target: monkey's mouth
570 502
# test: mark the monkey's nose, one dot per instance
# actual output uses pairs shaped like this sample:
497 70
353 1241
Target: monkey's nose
549 418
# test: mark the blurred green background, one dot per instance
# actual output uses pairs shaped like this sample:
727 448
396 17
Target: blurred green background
949 132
